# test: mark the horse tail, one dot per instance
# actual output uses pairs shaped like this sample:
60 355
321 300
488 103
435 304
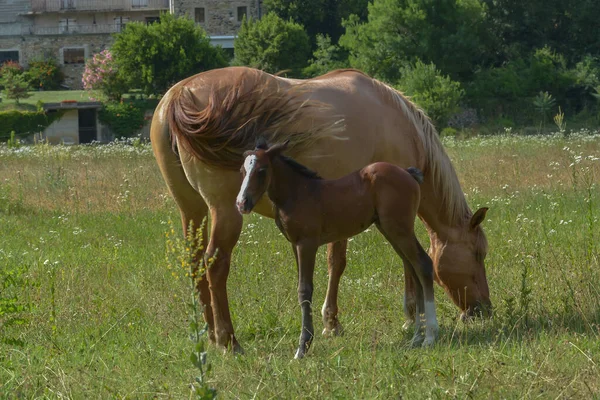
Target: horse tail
190 202
416 173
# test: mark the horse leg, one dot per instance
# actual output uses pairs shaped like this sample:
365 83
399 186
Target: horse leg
196 220
410 306
305 259
225 232
336 262
422 271
420 268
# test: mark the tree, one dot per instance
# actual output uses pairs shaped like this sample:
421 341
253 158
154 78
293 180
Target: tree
100 76
153 57
450 33
438 95
15 86
326 57
319 16
566 26
272 44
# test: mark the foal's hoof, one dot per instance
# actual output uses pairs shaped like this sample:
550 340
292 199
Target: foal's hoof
337 330
299 354
237 349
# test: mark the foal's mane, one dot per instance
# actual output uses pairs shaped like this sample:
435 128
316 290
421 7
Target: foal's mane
299 168
236 114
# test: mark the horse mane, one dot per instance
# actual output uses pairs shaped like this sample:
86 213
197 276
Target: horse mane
235 116
299 168
438 166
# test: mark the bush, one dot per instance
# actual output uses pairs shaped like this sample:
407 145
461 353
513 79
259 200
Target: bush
509 90
12 67
100 76
44 74
15 86
25 122
272 44
438 95
125 118
153 57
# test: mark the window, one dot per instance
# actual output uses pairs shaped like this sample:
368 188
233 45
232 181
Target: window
67 4
151 20
199 15
66 25
120 23
139 3
75 55
9 55
241 13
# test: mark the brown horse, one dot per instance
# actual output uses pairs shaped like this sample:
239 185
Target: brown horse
311 211
336 123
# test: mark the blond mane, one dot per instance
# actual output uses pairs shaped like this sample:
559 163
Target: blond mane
438 166
234 118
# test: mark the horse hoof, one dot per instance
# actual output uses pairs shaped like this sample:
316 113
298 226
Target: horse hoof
429 342
416 341
338 330
237 349
299 354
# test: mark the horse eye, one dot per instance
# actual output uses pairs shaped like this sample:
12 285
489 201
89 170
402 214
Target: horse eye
262 171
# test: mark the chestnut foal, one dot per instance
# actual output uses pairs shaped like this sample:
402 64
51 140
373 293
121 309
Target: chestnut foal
311 211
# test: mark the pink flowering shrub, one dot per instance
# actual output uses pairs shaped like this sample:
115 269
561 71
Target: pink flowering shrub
100 76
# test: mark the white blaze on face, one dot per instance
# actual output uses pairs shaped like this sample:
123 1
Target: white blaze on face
249 165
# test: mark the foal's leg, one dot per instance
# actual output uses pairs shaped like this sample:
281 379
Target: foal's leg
404 241
305 258
225 232
410 305
336 261
422 267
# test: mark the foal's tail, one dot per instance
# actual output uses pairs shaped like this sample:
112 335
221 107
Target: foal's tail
415 173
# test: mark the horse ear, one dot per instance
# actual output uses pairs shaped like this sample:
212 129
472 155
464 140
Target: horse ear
261 143
478 217
278 148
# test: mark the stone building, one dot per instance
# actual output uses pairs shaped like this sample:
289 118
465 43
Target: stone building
70 31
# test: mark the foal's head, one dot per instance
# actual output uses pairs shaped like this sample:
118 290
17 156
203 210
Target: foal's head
257 173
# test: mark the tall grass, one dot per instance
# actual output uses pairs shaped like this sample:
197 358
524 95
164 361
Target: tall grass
89 309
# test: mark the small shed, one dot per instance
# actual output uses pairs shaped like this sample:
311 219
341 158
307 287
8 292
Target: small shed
79 123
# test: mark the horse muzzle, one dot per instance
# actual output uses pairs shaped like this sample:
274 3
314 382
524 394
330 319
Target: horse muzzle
481 309
245 206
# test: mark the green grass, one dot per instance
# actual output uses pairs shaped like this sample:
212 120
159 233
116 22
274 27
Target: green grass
52 96
82 231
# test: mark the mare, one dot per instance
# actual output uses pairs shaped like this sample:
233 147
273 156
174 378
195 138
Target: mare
311 211
336 123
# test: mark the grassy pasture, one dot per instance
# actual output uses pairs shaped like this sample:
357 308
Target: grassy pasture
96 314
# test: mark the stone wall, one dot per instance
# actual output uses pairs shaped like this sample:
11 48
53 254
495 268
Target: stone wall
51 46
220 15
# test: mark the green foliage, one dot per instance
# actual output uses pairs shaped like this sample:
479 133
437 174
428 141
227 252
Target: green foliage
153 57
14 305
451 34
25 122
318 16
11 67
272 44
101 78
327 57
15 86
44 74
564 25
125 118
438 95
